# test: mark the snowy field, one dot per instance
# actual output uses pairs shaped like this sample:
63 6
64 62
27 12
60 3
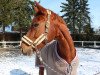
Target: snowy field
14 63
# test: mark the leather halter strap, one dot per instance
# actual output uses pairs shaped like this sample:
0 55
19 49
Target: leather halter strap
41 37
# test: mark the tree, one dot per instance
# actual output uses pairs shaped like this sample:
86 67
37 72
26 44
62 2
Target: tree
6 16
84 19
23 14
76 15
15 11
70 9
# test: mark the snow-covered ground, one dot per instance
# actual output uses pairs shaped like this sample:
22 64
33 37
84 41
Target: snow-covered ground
14 63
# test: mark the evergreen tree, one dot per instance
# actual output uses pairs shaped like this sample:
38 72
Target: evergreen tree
83 19
70 9
6 16
23 15
76 15
15 11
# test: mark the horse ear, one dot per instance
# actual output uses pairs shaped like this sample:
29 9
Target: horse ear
35 9
38 8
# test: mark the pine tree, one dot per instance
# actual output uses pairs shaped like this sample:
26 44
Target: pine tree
6 16
22 15
83 18
17 11
70 8
76 15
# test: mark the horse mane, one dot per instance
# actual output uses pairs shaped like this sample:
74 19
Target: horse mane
65 31
59 18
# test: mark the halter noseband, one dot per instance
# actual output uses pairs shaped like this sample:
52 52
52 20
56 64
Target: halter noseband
41 37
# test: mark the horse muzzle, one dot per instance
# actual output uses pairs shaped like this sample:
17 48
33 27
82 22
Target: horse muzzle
28 52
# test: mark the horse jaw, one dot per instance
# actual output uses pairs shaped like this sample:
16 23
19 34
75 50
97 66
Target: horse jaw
26 50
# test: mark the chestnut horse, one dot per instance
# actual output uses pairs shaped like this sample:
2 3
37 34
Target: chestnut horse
47 27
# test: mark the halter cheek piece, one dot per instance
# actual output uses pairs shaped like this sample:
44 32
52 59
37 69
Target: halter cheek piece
42 37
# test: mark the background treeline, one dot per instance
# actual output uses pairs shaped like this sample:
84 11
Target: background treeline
85 37
76 37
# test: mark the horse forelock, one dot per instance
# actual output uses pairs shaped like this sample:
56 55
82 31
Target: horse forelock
38 18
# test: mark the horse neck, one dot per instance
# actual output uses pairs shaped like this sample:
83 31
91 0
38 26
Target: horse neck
65 47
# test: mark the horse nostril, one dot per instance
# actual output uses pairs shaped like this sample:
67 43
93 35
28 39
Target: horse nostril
23 52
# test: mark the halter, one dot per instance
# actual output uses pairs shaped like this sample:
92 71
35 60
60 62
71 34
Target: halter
41 37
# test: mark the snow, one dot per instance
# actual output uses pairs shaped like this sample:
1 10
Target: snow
89 61
14 63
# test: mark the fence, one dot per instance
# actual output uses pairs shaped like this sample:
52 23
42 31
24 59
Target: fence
9 44
87 43
15 44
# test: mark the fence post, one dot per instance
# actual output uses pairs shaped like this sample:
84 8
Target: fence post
4 44
94 43
82 43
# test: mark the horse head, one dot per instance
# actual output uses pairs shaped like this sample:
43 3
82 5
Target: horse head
42 30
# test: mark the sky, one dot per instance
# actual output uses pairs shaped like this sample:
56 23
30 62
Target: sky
94 6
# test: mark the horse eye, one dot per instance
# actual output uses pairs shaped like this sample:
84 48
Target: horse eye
35 25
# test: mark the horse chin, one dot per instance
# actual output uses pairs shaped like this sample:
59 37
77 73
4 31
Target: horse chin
27 52
33 50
